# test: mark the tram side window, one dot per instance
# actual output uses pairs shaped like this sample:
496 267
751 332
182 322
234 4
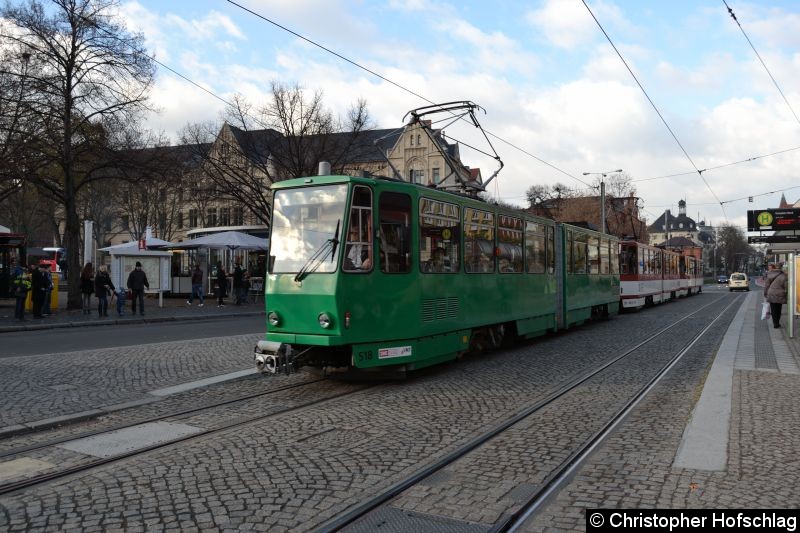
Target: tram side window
551 250
358 250
594 255
628 259
479 253
509 243
612 251
439 233
579 254
605 260
535 250
394 232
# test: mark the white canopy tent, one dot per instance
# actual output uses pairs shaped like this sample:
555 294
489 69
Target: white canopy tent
134 245
233 240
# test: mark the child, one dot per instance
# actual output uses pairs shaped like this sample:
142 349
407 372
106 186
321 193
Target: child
121 294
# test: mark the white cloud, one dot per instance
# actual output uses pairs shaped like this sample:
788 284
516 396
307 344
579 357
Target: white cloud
206 28
568 24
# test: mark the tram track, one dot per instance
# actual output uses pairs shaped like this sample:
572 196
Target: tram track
563 472
173 414
84 467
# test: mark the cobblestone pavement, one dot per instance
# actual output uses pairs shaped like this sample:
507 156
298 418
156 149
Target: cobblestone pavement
45 386
497 477
297 470
635 467
199 397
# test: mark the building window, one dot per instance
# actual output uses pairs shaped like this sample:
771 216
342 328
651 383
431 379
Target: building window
211 219
419 139
180 219
225 216
435 171
126 222
238 216
412 140
680 225
192 218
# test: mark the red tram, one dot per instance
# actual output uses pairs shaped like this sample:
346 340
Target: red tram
651 275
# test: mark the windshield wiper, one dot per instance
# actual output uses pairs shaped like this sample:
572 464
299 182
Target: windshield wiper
318 257
335 239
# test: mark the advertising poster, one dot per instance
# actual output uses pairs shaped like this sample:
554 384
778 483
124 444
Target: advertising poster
797 286
150 265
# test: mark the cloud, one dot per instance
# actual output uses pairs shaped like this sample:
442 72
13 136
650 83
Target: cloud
568 24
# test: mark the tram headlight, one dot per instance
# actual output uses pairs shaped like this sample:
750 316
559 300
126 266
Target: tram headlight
273 318
324 320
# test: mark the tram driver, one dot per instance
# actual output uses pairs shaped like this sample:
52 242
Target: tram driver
359 252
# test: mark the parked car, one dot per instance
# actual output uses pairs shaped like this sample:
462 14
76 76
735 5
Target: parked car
722 279
739 281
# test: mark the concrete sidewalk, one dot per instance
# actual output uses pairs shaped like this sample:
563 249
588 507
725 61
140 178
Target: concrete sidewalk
755 372
173 309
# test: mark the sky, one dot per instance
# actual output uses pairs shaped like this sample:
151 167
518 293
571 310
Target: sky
558 101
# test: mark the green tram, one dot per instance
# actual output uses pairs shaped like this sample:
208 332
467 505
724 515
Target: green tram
379 274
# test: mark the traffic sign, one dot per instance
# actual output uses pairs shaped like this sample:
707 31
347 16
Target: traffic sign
773 220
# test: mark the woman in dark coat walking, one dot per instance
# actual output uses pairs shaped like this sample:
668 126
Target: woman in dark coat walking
775 289
222 284
103 287
87 287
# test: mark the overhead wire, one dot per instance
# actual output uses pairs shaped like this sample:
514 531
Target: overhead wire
399 86
588 186
624 62
763 64
749 159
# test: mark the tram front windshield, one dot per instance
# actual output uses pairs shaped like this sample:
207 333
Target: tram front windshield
305 221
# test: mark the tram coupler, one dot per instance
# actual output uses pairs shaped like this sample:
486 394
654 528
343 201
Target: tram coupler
273 357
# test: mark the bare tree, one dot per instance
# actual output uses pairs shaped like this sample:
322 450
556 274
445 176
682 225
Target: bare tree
286 138
89 82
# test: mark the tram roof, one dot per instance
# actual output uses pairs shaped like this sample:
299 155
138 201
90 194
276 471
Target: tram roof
422 189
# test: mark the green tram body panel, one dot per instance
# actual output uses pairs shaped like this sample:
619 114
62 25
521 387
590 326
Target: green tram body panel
415 319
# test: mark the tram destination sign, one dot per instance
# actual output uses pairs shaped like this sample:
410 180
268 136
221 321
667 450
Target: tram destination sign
773 219
773 239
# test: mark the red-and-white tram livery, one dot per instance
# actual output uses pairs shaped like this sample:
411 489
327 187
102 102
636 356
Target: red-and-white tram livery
651 275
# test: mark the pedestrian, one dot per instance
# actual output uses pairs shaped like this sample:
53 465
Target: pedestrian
38 290
775 289
137 281
222 284
103 288
197 286
87 287
46 311
238 283
22 284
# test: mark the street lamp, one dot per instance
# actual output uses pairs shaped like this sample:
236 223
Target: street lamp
603 194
